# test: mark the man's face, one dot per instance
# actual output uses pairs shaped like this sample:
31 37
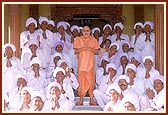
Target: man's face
44 25
36 67
148 63
55 92
60 76
86 31
56 59
33 47
8 52
31 27
113 94
129 106
112 71
123 60
158 85
131 73
75 33
59 48
37 103
64 65
118 30
107 30
21 81
135 62
26 97
113 49
61 30
125 47
123 84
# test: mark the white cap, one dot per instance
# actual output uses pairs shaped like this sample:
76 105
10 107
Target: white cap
159 77
111 65
140 24
149 23
51 22
28 89
124 77
31 20
80 28
132 98
132 66
105 57
120 25
60 62
38 93
115 44
107 25
20 75
148 57
10 45
75 27
35 60
123 54
94 29
137 57
113 86
41 19
33 41
57 69
57 54
62 23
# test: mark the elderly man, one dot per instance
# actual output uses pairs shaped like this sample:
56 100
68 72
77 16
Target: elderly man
119 37
105 82
85 48
156 96
113 91
12 67
46 39
106 34
56 101
147 40
25 36
61 35
135 39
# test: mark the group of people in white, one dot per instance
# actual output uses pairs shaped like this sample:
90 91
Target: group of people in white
45 78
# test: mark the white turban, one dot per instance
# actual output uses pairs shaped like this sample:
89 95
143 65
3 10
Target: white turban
116 45
33 41
31 20
131 66
57 54
105 57
120 25
115 87
123 54
132 98
159 77
137 57
20 75
28 89
10 45
111 65
35 60
68 24
50 85
149 23
124 77
126 42
75 27
42 19
140 24
60 62
38 93
107 25
148 57
57 69
62 23
94 29
51 22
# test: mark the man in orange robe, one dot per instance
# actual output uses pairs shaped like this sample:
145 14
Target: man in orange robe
85 48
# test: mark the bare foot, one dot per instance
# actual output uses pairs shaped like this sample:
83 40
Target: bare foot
79 103
93 103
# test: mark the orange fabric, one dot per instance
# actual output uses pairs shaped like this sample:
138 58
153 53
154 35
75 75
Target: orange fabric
86 71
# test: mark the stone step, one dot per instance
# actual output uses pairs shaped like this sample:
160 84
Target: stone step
86 106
